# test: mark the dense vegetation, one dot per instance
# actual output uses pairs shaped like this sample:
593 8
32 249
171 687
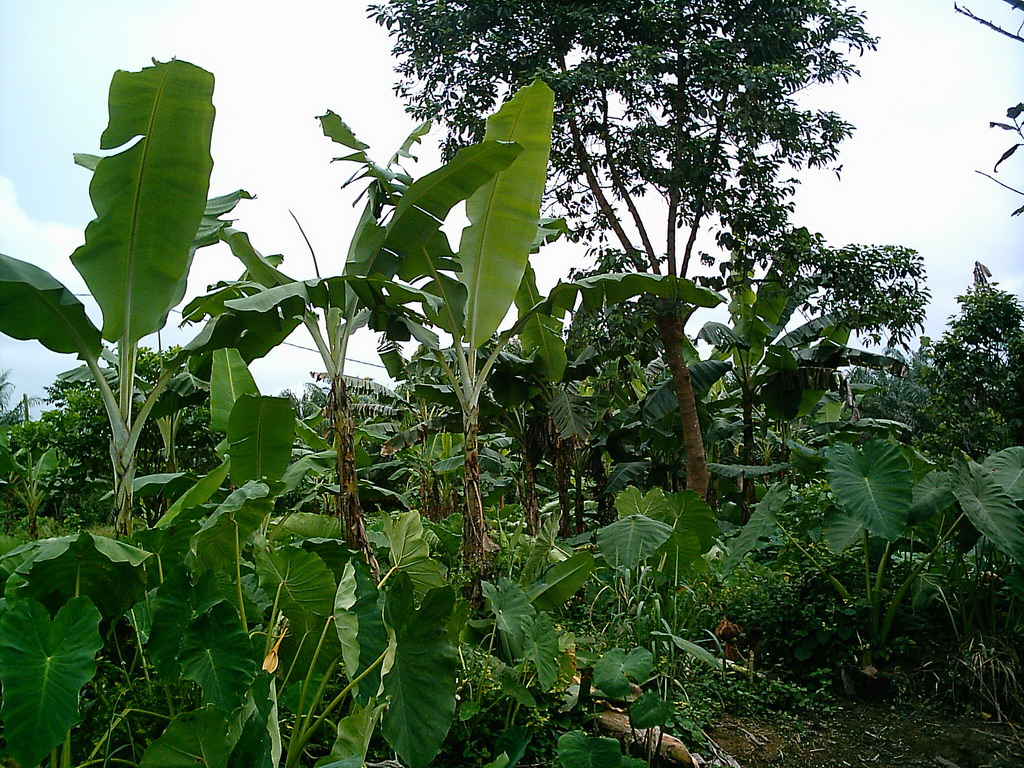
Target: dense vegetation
576 538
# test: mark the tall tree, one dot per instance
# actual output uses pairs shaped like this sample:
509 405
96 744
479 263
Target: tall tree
976 378
694 101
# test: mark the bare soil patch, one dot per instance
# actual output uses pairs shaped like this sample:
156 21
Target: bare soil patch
868 735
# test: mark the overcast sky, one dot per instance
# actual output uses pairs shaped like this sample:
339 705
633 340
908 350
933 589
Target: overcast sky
921 110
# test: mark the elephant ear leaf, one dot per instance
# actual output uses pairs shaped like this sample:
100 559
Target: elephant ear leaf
197 739
34 305
873 484
421 680
1007 467
43 666
989 507
631 539
149 198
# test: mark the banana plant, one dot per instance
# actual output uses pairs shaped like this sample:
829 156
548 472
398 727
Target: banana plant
151 216
26 474
780 371
399 228
468 296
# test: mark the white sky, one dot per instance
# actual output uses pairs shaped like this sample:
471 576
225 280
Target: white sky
921 111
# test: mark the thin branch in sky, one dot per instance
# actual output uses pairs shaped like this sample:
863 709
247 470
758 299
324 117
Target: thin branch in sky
995 27
997 181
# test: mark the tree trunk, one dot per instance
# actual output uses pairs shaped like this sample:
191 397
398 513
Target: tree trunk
562 481
746 484
476 543
346 503
670 330
531 508
579 500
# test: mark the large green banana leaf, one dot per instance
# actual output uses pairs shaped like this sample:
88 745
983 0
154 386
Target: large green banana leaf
415 224
505 212
34 305
561 581
542 333
43 666
260 433
230 380
149 198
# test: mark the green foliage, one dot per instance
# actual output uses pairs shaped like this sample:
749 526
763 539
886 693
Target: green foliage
421 680
577 750
138 250
873 484
735 87
242 630
260 434
976 378
631 539
43 666
200 738
616 669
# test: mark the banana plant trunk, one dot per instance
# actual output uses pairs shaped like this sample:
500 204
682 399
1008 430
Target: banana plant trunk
746 484
477 546
670 330
562 472
599 479
579 502
531 508
347 506
124 497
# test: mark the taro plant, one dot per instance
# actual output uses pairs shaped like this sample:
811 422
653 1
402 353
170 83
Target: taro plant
267 641
652 553
900 509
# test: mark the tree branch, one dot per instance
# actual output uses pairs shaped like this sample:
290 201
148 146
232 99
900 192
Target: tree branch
623 193
997 181
994 27
701 204
595 187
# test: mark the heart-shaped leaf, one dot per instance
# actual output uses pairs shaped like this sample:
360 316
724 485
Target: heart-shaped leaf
43 666
421 680
873 484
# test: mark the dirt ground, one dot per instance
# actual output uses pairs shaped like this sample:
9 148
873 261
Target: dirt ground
873 735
